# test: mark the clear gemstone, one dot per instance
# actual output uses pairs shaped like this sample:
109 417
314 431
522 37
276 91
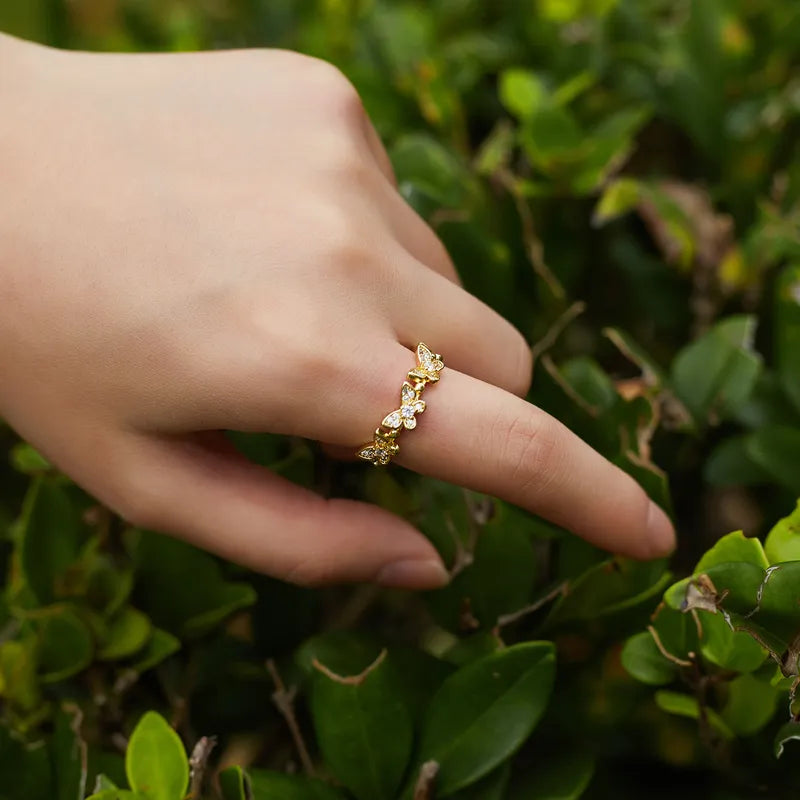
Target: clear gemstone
410 423
393 420
407 411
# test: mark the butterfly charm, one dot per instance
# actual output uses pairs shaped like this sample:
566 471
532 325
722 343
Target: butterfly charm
429 364
410 404
379 451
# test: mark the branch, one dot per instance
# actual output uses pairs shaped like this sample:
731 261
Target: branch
283 702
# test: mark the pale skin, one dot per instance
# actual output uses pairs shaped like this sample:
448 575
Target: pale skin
207 242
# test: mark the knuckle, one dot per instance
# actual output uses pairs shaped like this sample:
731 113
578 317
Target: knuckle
340 96
527 451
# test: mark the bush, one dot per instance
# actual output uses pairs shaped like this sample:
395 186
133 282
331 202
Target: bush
620 179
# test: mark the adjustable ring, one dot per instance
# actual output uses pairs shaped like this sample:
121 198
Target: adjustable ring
383 447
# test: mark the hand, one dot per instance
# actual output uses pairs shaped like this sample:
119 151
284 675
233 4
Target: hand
202 242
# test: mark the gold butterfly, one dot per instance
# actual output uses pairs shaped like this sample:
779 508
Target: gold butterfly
410 404
379 451
429 364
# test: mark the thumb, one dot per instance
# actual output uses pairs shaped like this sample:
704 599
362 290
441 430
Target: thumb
201 489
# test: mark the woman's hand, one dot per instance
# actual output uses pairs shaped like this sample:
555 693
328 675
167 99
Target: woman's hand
191 243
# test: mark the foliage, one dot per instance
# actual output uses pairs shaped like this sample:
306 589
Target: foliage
620 179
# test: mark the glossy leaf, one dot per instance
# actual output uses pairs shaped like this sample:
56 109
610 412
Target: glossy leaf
563 777
267 785
51 537
776 449
485 711
787 331
788 732
65 644
783 541
233 784
363 728
169 573
155 762
608 587
733 547
751 704
128 632
642 658
685 706
716 374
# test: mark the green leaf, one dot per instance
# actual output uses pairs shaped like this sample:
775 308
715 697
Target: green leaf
155 762
363 728
67 755
715 374
161 645
734 650
619 197
776 449
118 794
500 579
733 547
522 92
642 658
491 787
425 165
684 706
51 537
563 777
787 331
787 732
485 711
730 464
783 541
738 581
29 461
181 588
65 644
233 784
651 371
25 772
267 785
606 588
128 632
103 782
751 704
19 683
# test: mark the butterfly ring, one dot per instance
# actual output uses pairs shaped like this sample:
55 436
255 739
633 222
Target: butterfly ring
383 447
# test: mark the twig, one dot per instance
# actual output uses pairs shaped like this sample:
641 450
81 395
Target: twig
198 763
350 680
507 619
283 702
681 662
80 743
533 244
556 329
423 790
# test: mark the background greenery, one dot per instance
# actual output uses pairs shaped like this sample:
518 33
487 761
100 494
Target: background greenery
620 179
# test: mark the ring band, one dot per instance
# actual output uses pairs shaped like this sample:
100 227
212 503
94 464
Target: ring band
383 447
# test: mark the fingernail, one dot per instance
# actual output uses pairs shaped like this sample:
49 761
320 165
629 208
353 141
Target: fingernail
411 574
660 532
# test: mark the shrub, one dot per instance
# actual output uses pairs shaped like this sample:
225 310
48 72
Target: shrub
620 179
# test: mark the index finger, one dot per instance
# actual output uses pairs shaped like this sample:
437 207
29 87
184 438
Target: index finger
484 438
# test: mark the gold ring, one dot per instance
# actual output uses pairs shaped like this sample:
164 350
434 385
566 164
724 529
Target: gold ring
383 447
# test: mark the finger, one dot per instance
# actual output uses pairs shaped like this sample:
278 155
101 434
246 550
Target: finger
484 438
472 337
409 228
201 489
378 151
416 236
